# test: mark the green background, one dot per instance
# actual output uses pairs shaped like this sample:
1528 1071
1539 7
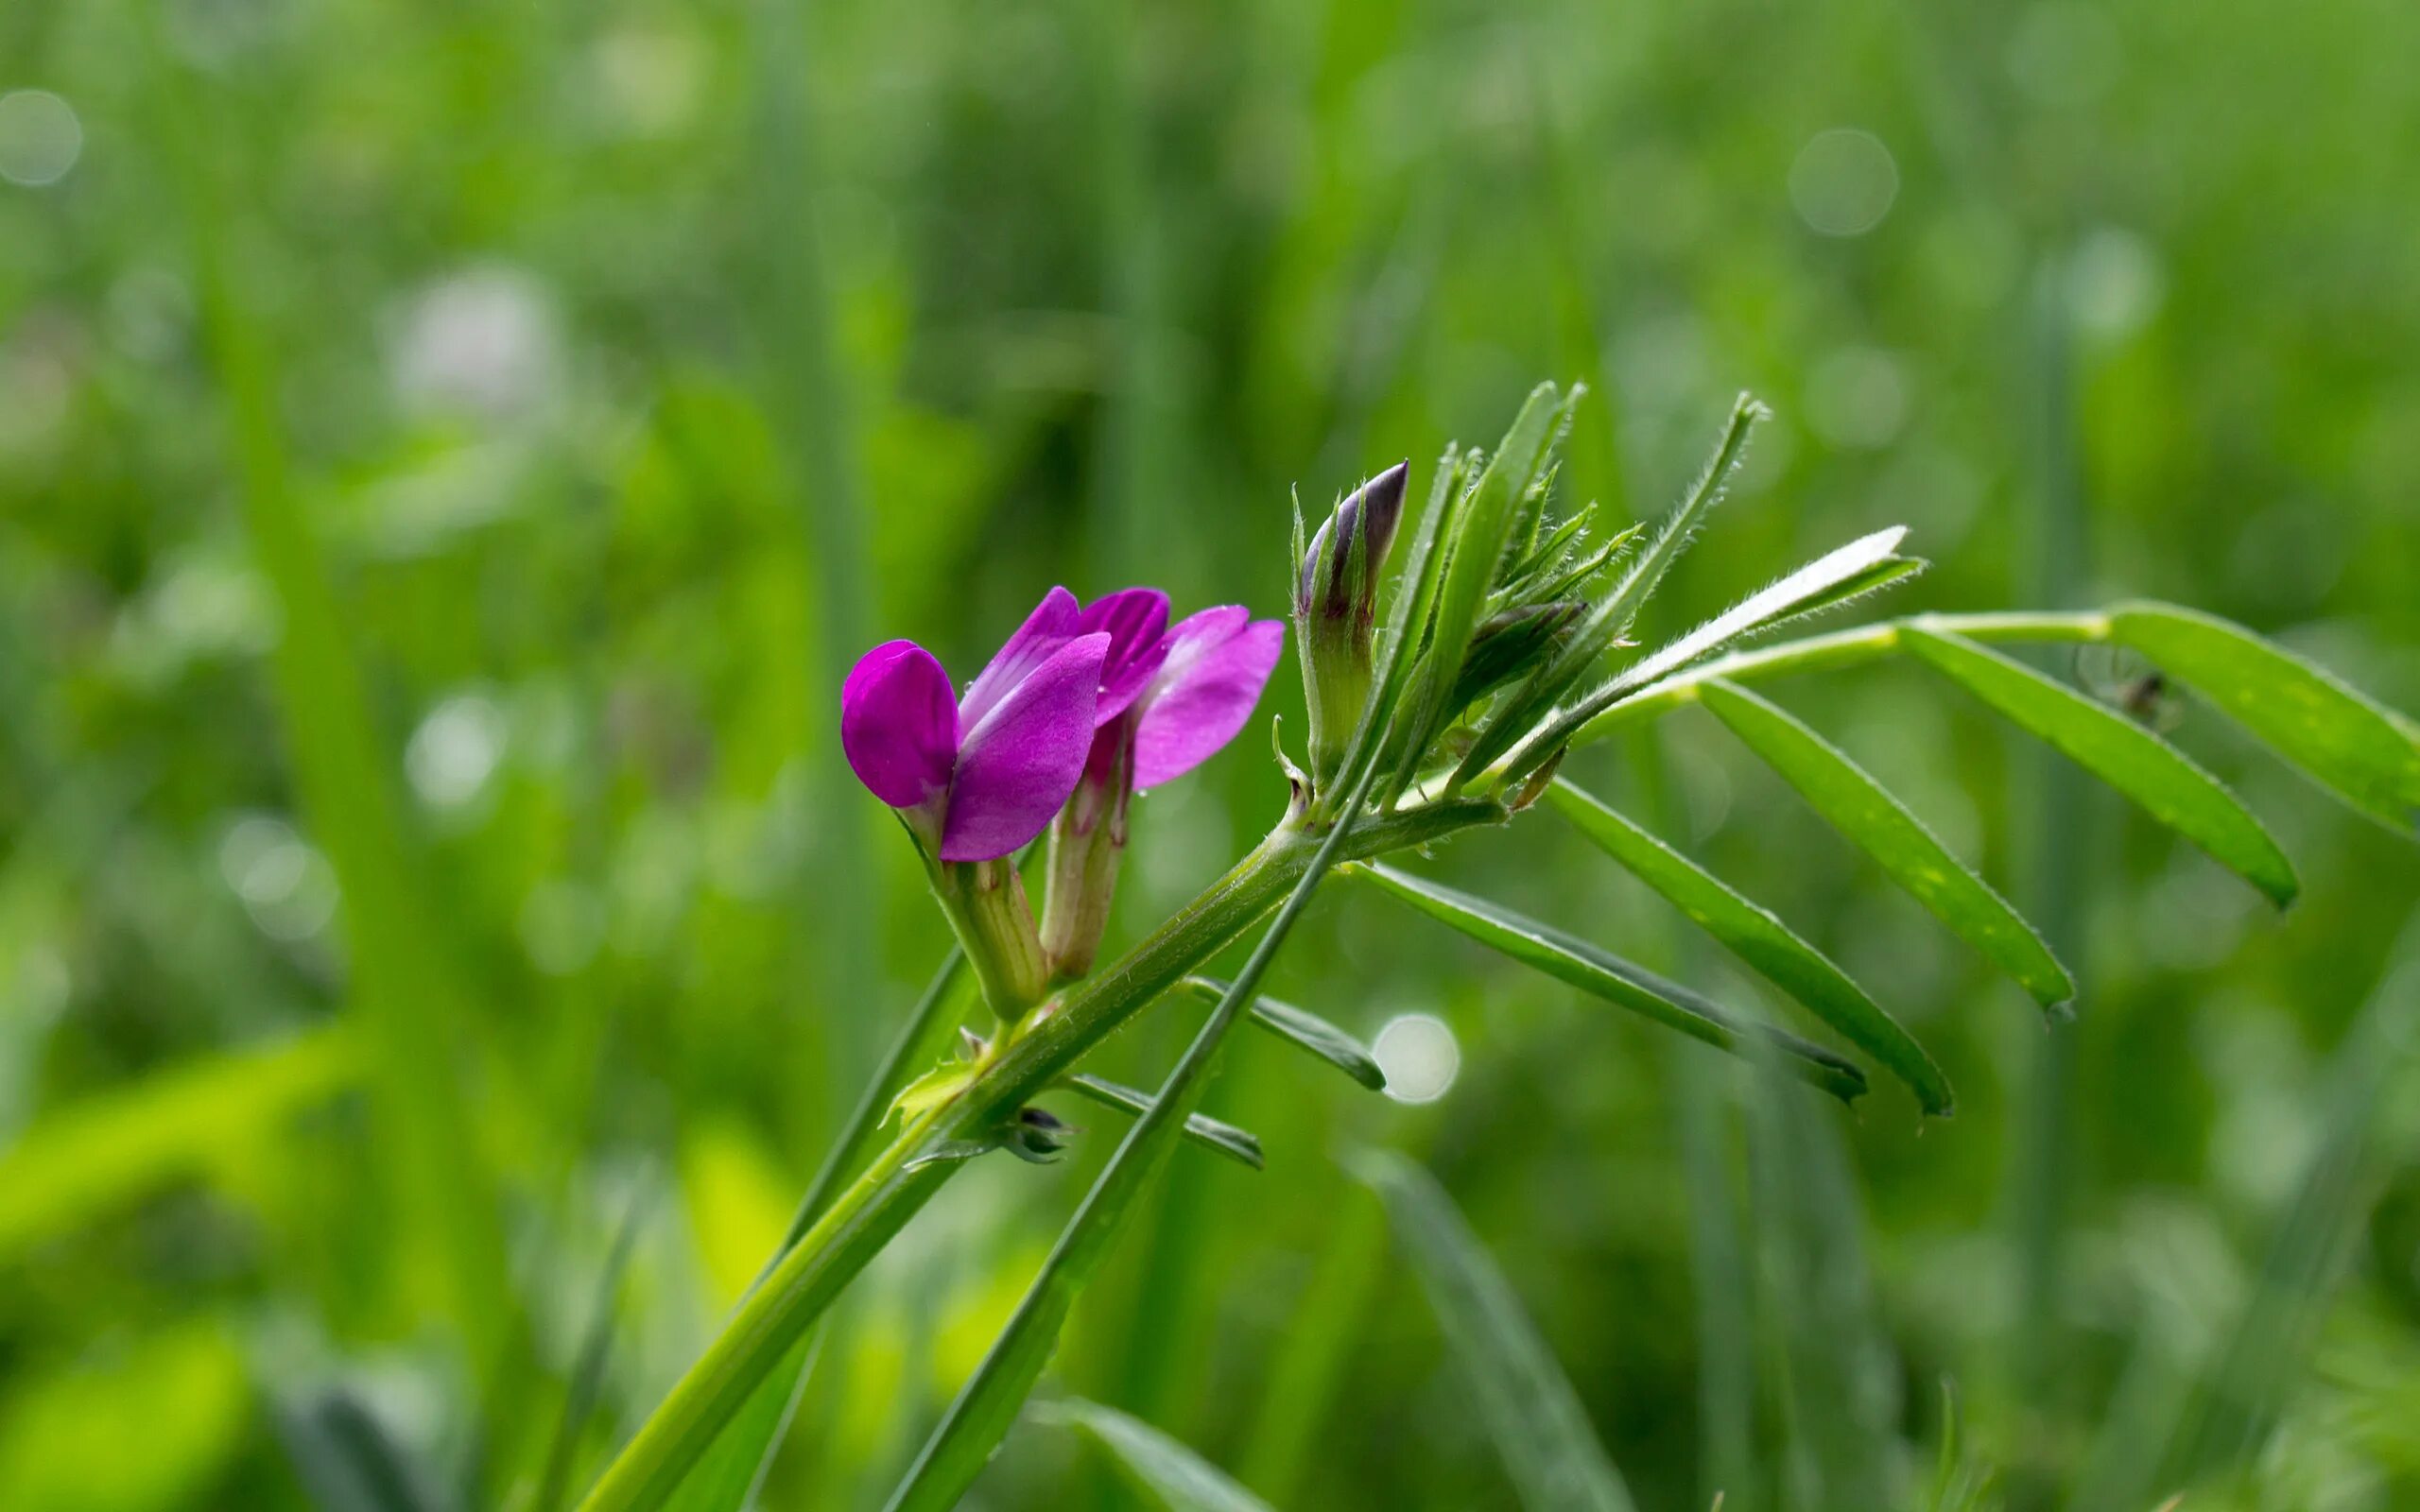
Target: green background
449 454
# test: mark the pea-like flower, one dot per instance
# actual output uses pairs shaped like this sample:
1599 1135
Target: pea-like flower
1170 698
976 777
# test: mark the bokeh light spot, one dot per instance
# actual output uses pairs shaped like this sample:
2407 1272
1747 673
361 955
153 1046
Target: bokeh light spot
1420 1056
1843 182
40 137
1857 398
455 750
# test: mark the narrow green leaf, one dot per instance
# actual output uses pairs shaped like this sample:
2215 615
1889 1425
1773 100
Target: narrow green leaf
1304 1030
725 1479
1313 1349
1528 1404
1861 809
347 1461
1477 549
2158 776
117 1146
1407 616
1235 1143
2354 747
588 1371
1521 712
1855 569
1822 584
1752 933
1179 1479
1602 975
923 1039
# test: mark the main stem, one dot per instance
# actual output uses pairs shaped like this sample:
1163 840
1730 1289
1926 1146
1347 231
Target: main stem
893 1188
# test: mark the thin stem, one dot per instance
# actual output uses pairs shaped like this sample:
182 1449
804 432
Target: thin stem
920 1040
881 1201
1826 653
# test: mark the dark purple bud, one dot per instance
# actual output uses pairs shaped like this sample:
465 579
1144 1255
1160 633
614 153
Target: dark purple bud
1362 529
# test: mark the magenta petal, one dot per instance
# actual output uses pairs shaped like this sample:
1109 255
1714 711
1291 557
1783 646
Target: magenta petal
1136 619
1216 665
899 723
1016 767
1044 632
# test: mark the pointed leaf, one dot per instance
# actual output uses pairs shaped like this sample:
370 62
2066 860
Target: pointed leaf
1521 710
1861 809
1535 1417
1235 1143
2360 751
1602 975
1826 582
1477 549
1859 568
2161 780
1756 937
1407 618
1304 1030
1179 1479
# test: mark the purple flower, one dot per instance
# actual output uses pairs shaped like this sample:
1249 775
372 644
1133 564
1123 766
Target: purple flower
977 777
1182 692
1169 700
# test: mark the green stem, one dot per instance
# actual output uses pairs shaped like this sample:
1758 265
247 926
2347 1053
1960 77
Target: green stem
880 1202
1825 653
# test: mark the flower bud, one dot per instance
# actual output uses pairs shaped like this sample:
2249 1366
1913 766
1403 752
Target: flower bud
1336 610
1509 644
1037 1136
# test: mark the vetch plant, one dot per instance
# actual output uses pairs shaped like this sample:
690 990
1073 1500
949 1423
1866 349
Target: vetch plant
1445 705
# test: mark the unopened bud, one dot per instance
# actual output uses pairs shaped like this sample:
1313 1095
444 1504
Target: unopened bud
1336 610
1510 644
1037 1135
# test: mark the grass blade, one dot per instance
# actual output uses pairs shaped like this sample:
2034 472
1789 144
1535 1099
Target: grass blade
1174 1475
1603 975
1237 1144
348 1462
1300 1383
1524 1398
1861 809
922 1041
588 1371
2161 780
404 988
117 1146
726 1477
2364 754
1304 1030
1750 932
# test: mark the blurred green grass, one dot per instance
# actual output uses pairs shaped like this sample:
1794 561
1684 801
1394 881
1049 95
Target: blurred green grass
447 455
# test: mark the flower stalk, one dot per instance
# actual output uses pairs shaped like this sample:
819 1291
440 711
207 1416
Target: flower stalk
985 904
894 1187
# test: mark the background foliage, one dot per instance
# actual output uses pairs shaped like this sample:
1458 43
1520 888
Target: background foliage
447 455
